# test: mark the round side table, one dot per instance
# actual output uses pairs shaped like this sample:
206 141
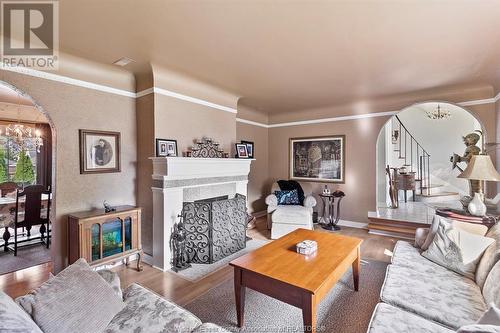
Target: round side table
331 215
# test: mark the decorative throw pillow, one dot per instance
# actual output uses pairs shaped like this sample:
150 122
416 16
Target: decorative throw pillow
75 300
457 250
473 228
290 185
13 318
113 279
287 197
432 232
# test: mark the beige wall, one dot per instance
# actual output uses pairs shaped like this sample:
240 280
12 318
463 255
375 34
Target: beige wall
165 117
184 122
72 108
361 137
145 149
258 180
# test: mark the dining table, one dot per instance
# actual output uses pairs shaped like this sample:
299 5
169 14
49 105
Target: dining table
8 212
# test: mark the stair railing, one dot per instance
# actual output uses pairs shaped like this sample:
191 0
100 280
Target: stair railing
418 158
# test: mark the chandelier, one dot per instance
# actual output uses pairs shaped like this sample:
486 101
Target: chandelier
438 113
23 136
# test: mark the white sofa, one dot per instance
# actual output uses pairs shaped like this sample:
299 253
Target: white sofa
283 219
421 296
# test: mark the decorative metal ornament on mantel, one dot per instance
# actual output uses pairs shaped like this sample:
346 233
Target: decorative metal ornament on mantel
438 114
207 148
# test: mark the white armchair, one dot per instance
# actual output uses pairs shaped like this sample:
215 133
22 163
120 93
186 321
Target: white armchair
283 219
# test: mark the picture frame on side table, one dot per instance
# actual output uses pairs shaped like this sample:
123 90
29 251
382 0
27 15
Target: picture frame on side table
241 150
320 159
250 148
99 151
166 147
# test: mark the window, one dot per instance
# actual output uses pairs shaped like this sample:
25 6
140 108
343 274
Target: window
17 164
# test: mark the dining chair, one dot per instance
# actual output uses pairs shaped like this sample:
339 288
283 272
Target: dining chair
32 215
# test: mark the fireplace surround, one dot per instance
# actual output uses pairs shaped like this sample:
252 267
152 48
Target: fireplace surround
177 180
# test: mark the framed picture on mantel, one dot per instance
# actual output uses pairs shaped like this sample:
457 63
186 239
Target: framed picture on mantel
166 147
319 159
99 151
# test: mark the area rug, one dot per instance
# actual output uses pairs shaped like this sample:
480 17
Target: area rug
343 310
199 271
27 256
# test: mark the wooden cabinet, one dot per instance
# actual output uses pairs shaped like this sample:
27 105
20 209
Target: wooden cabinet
406 182
103 238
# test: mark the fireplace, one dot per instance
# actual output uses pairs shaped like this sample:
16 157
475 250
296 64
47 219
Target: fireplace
216 228
181 180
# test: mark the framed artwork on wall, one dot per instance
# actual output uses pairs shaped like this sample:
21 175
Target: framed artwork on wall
319 159
99 151
241 150
250 148
166 147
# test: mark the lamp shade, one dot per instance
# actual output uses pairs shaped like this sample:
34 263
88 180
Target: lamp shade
480 167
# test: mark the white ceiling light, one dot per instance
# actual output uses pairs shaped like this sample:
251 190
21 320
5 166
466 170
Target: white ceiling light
123 61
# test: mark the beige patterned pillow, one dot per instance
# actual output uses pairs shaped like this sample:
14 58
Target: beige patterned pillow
457 250
75 300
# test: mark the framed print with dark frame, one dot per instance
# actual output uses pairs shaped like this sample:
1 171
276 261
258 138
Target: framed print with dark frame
99 151
250 148
320 159
241 150
166 147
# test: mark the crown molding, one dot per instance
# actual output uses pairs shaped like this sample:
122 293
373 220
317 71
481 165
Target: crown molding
186 98
67 80
333 119
251 122
165 92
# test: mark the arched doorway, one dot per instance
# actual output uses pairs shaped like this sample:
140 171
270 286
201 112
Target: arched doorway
27 157
421 139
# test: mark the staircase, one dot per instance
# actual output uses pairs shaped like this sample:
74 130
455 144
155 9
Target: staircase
416 159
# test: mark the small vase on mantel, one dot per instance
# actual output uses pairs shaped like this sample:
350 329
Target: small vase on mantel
476 206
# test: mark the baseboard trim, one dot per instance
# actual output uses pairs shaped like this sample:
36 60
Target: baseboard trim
148 259
389 234
353 224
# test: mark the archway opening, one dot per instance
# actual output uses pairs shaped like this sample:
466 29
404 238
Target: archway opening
417 144
27 164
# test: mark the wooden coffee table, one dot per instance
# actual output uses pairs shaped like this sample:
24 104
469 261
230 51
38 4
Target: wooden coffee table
302 281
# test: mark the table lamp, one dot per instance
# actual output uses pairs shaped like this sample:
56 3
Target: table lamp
479 168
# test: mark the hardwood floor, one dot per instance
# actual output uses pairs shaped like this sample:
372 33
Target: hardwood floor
177 289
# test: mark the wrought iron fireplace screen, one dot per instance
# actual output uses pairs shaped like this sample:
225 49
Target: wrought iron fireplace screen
215 228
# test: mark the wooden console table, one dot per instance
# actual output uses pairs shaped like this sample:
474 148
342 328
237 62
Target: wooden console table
102 238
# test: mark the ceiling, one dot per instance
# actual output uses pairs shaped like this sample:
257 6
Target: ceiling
288 55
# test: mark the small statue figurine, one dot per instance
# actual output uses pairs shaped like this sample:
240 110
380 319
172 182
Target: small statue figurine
180 258
470 141
107 207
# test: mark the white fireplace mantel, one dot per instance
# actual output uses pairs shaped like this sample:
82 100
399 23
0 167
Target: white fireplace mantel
173 177
174 168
